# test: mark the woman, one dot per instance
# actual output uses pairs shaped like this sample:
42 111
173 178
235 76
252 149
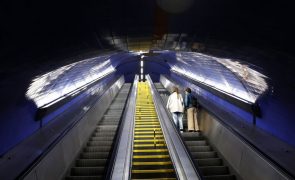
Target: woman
175 106
192 121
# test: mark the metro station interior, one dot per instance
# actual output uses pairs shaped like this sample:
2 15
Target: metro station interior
85 85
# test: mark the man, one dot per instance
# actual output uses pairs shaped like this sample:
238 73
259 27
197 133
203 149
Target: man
190 103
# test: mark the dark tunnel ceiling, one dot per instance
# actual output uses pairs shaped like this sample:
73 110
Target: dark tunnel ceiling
32 28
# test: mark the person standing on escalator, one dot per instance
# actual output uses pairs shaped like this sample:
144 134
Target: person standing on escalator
191 105
175 106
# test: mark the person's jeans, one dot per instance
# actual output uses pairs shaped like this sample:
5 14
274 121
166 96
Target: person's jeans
177 118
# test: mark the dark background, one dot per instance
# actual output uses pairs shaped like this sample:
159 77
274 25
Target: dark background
34 31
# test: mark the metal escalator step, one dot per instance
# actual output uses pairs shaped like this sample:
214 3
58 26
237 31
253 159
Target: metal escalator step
149 136
147 126
147 129
214 170
84 177
156 173
149 146
87 171
99 143
101 133
149 140
204 155
109 122
199 148
106 128
153 167
196 143
153 120
150 151
152 163
153 171
191 136
147 123
150 156
94 155
220 177
97 149
196 138
111 116
147 132
108 119
102 138
209 162
90 162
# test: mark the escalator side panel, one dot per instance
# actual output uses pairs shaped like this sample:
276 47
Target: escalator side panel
92 161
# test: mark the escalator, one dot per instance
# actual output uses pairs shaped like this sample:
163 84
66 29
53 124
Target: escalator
93 160
205 156
151 159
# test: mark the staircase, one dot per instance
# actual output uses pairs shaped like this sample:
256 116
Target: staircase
151 158
205 157
92 162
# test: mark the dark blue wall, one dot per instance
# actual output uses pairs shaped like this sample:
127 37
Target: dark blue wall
18 121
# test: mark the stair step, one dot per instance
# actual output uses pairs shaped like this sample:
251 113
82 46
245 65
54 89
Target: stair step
199 148
98 134
99 143
94 155
97 149
204 155
196 143
90 162
220 177
87 171
214 170
209 162
105 138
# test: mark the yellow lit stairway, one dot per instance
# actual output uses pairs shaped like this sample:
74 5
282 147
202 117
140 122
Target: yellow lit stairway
151 158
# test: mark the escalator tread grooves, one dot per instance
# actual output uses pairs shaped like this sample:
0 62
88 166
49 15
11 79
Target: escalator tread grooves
151 158
92 162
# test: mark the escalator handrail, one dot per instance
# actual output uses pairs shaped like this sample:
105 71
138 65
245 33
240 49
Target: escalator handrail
182 161
121 167
186 147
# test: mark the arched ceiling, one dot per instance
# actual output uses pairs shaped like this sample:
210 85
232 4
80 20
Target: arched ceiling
233 77
31 29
